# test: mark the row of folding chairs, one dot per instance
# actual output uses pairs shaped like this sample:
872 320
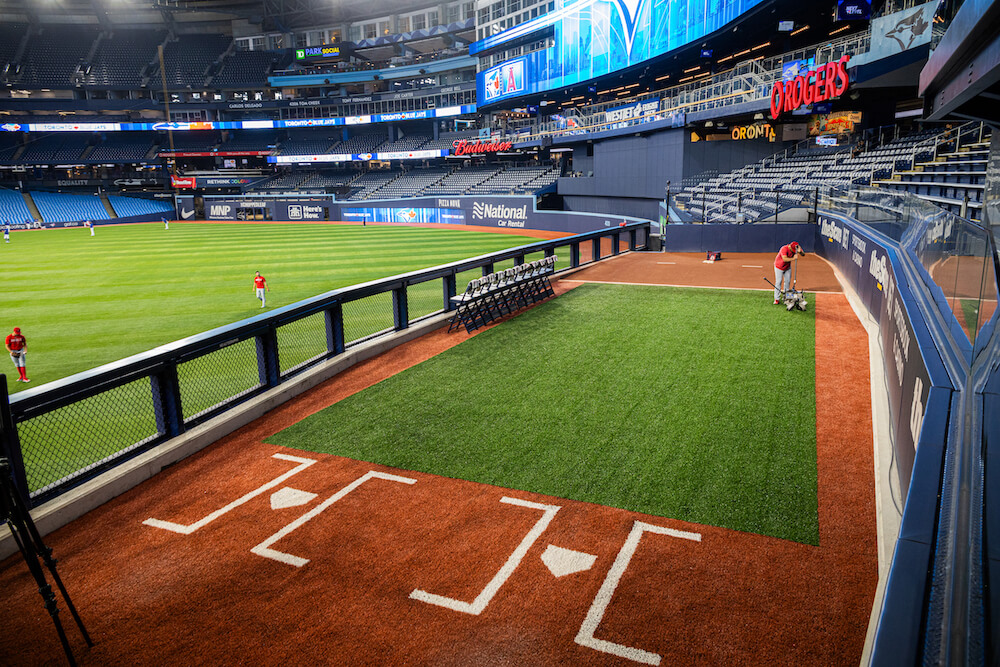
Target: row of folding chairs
501 293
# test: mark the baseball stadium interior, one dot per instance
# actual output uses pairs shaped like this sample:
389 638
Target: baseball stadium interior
865 130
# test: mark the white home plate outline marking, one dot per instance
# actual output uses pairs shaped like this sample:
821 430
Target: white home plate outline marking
477 606
289 497
201 523
263 549
603 598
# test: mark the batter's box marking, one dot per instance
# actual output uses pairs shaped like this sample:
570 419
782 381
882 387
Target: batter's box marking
201 523
264 548
603 598
477 606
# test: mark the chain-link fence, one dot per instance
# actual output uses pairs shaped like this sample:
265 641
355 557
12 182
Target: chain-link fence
87 423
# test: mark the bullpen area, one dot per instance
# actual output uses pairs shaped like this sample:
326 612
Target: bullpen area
623 474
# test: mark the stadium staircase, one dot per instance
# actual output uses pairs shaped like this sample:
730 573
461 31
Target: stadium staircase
107 206
32 207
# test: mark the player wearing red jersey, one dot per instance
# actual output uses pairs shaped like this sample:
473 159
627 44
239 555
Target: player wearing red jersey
17 346
260 286
782 268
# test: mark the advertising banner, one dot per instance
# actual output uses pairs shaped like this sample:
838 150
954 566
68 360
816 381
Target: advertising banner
643 109
404 215
185 206
901 31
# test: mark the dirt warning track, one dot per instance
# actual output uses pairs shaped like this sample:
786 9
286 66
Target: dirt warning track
248 553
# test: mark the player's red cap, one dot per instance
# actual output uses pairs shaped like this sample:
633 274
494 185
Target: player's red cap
17 329
794 245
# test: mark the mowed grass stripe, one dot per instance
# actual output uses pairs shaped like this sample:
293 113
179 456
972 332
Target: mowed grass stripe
84 301
692 404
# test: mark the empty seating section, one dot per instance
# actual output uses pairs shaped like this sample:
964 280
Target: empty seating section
412 183
186 60
122 147
446 141
245 69
13 208
363 143
308 144
954 180
761 190
513 180
191 141
331 179
461 181
59 207
284 182
369 182
408 143
129 206
59 148
53 54
10 39
121 57
10 143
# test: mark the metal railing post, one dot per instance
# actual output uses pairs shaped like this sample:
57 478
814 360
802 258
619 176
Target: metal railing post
487 269
334 319
632 239
574 255
595 248
776 202
704 211
815 205
10 445
449 288
400 314
616 240
166 392
268 370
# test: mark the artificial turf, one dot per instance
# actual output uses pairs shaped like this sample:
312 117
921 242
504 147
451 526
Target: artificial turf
685 403
84 301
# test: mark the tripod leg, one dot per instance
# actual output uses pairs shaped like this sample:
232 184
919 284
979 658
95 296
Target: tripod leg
26 547
45 553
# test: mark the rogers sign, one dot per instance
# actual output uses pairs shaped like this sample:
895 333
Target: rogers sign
825 82
463 147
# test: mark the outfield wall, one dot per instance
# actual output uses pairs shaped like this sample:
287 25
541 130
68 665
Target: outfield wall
920 393
722 237
508 212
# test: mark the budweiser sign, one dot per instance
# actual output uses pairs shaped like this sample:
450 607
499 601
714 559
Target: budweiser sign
463 147
823 83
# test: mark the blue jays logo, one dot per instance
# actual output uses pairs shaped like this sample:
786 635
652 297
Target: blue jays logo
505 79
406 215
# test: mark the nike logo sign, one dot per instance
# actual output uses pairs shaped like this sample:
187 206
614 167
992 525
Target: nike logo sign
187 215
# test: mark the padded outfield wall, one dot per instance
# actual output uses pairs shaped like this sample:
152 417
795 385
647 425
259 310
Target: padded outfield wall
508 212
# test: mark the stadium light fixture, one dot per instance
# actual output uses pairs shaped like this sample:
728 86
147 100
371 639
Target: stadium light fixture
661 78
761 46
697 67
795 32
840 29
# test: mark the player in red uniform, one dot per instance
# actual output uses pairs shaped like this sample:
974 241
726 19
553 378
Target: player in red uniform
782 268
17 346
260 285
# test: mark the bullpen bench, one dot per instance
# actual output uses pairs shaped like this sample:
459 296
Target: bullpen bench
491 297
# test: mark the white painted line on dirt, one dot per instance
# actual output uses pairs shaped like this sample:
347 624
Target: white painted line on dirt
188 529
562 562
666 262
752 266
603 598
477 606
744 289
263 549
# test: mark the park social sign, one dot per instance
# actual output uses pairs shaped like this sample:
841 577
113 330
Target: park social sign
822 83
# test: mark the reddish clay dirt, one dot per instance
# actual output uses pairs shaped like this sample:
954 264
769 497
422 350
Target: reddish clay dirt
734 271
152 596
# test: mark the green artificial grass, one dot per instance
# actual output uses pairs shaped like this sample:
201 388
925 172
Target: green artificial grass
685 403
83 301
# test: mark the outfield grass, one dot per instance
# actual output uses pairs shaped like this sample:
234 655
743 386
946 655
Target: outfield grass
83 301
685 403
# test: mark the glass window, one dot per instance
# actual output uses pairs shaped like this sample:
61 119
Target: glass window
453 13
513 6
404 24
300 40
383 27
371 31
497 10
432 19
419 22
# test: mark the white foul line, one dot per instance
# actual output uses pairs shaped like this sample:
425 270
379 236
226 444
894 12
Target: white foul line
603 598
752 266
188 529
666 262
263 549
479 604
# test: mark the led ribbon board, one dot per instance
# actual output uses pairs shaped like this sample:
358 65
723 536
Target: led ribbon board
597 37
444 112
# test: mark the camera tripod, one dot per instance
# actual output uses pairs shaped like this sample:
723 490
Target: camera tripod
14 513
